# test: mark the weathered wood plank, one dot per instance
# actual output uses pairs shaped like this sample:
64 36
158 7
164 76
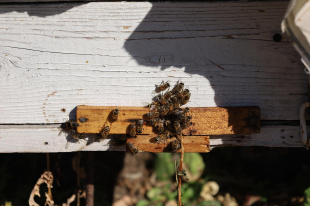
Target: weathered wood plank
205 121
147 143
56 56
45 138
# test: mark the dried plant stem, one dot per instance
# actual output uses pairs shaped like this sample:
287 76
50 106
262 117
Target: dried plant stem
90 188
48 169
78 179
47 178
180 169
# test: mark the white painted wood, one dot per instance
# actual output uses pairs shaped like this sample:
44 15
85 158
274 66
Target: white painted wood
55 56
45 138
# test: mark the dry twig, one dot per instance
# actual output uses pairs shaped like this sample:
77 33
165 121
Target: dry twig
47 178
180 169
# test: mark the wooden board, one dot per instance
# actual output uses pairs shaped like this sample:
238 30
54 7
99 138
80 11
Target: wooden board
56 56
206 121
147 143
46 138
113 53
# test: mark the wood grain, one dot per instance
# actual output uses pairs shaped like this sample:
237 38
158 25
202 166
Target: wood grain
46 138
54 57
206 121
98 117
147 143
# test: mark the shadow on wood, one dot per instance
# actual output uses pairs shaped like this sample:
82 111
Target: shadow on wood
38 9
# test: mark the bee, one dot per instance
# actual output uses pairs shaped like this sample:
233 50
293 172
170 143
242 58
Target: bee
115 114
174 103
105 132
160 126
183 174
71 127
161 138
175 145
185 99
152 115
132 130
177 88
186 110
155 122
178 129
167 134
133 149
162 87
139 126
167 95
163 110
186 122
167 123
162 100
179 114
182 94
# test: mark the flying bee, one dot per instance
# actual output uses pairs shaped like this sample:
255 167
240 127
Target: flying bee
161 139
115 114
132 130
139 126
133 149
162 87
178 129
105 132
175 145
152 115
185 99
177 88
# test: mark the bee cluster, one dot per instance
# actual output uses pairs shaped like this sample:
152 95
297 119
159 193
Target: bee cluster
166 115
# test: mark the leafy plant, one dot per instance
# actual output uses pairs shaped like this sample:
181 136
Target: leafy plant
307 197
164 166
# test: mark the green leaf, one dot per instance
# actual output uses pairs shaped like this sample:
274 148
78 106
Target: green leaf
164 166
154 192
143 203
188 194
194 162
307 197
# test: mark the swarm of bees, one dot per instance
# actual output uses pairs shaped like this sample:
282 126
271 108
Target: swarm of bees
166 115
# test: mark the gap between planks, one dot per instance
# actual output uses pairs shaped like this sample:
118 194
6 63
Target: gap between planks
46 138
